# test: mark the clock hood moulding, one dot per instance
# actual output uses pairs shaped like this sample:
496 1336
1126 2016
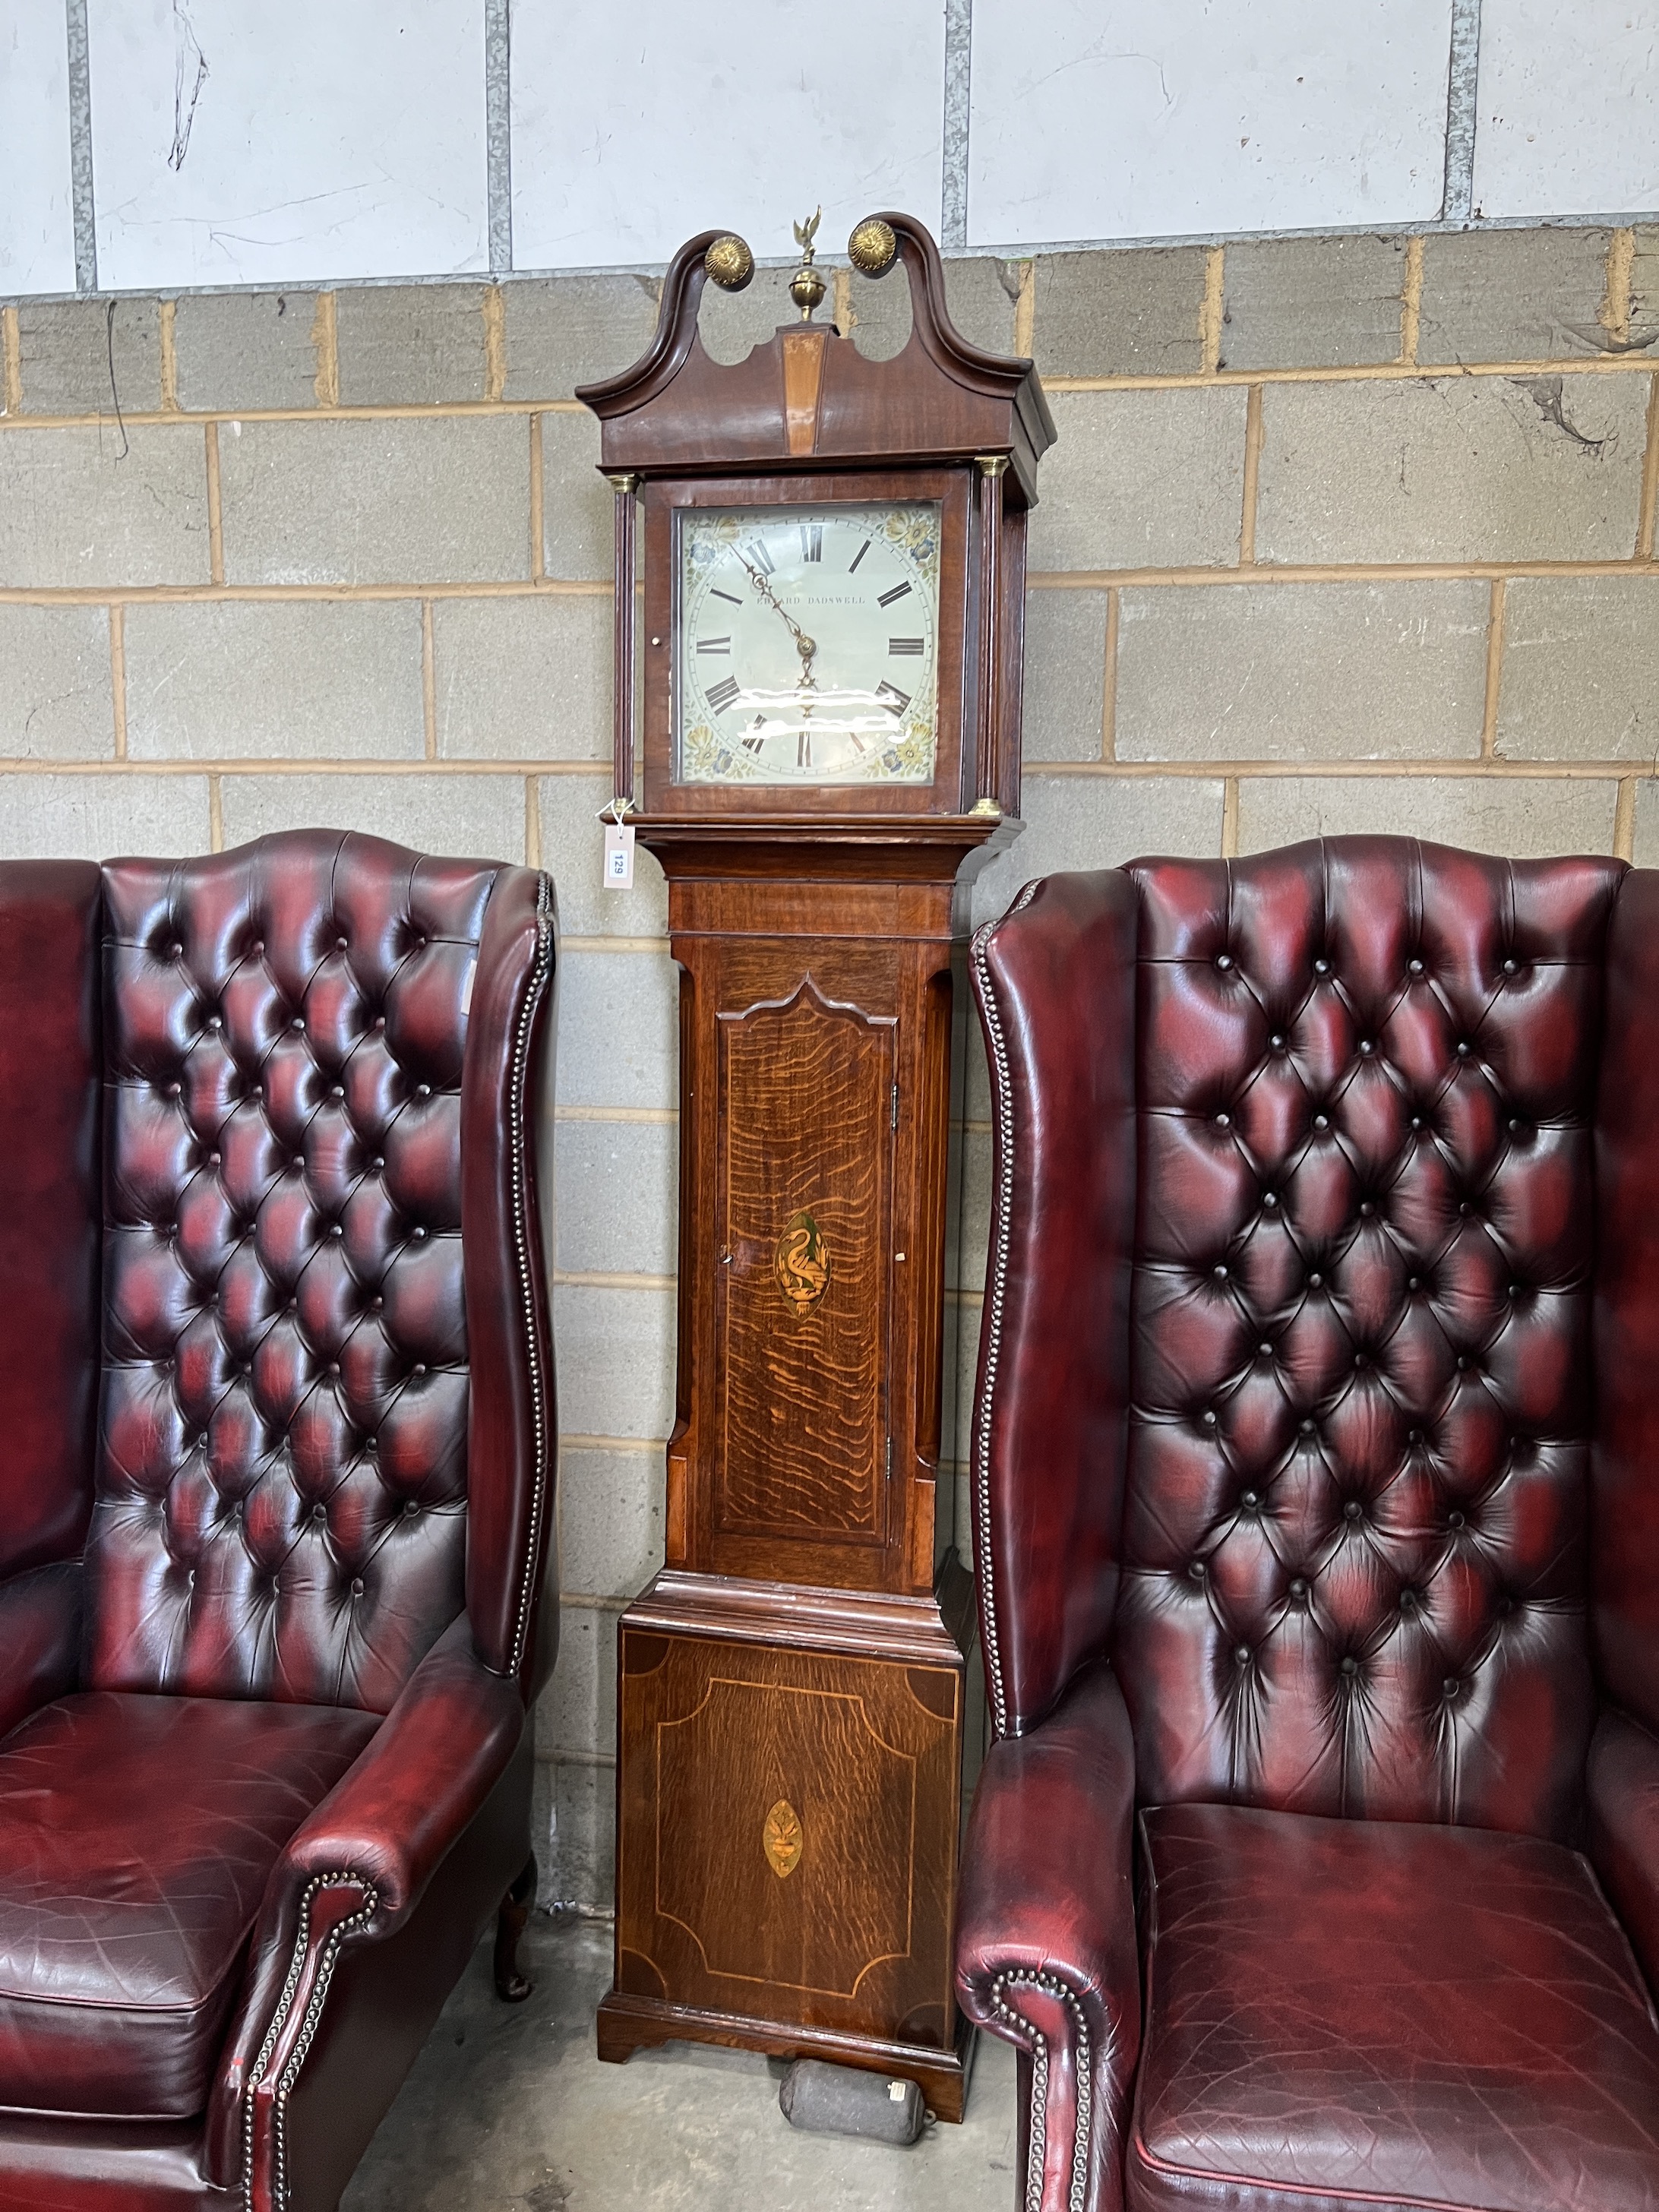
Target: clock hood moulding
808 399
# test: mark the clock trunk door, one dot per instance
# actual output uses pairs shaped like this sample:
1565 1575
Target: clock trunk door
803 1201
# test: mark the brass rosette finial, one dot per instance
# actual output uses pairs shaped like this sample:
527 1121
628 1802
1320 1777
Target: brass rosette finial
872 248
807 286
729 262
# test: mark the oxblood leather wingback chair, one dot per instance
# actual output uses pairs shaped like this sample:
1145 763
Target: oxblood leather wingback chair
276 1427
1316 1485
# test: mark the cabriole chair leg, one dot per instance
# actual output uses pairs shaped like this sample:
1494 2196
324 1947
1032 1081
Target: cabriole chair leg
510 1982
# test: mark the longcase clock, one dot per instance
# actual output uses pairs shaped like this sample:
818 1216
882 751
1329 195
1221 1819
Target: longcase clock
829 744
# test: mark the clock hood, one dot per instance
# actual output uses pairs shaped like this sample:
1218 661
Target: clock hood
807 398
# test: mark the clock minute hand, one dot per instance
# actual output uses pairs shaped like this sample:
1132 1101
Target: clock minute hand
806 646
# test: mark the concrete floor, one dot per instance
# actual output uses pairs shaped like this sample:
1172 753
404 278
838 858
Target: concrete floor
507 2110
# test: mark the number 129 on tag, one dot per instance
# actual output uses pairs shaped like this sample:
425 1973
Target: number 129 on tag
619 856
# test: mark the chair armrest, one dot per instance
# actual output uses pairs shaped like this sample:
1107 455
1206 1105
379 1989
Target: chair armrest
39 1639
1046 1947
1621 1785
354 1872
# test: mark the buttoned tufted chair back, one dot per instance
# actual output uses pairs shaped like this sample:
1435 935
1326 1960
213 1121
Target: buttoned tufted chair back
315 1056
1355 1211
1355 1537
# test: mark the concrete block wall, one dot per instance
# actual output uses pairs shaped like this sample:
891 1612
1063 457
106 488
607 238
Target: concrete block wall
1346 533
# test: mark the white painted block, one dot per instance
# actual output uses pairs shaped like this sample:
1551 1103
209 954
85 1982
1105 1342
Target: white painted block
634 126
1568 107
1109 118
237 144
36 221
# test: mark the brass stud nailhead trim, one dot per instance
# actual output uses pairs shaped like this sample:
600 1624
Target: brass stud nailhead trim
1021 2029
1003 1139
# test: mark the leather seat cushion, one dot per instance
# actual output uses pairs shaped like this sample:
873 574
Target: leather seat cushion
1371 2013
136 1836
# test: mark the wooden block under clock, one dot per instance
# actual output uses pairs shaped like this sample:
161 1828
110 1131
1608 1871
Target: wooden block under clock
787 1826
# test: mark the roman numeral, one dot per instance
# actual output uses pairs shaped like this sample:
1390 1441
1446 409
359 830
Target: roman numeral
860 555
903 644
891 697
812 541
752 745
724 645
721 695
898 592
803 749
760 559
714 592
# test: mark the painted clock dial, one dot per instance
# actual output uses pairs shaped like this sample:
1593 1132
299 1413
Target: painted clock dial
806 644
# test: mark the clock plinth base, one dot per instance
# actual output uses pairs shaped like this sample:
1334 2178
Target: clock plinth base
792 1765
628 2024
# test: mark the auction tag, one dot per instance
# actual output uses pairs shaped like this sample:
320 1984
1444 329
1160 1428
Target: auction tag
619 856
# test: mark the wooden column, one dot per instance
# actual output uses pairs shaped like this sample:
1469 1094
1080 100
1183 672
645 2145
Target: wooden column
624 484
987 749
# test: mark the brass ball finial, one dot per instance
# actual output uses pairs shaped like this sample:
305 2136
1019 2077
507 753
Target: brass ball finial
806 290
730 263
872 248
